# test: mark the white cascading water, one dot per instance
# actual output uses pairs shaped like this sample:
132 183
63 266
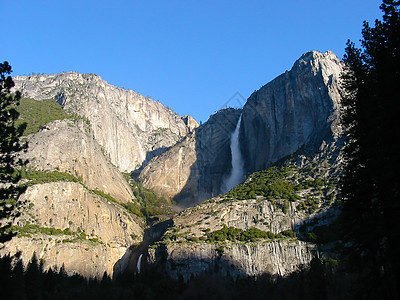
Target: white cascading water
139 263
237 172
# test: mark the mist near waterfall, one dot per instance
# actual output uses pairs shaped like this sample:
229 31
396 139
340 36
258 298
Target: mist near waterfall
236 175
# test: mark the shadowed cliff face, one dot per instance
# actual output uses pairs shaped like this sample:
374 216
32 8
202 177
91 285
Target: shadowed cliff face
237 260
297 109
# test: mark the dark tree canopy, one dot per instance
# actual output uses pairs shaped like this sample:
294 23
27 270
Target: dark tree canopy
370 183
10 145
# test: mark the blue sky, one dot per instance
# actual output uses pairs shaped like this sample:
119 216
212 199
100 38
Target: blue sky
192 56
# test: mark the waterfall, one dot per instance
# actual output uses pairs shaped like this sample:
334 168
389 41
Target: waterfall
139 263
237 172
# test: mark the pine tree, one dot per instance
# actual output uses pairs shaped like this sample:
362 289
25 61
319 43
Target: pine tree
370 186
10 145
33 276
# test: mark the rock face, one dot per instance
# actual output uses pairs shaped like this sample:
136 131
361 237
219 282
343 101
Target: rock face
196 244
170 172
99 232
190 122
113 130
69 146
193 169
85 258
237 260
83 224
297 109
70 205
129 127
73 223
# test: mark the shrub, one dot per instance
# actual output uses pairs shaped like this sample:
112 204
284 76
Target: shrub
37 176
237 234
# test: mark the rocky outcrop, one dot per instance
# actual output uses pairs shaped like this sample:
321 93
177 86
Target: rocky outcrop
170 172
70 205
130 128
286 203
184 252
243 214
297 109
190 122
69 146
236 260
95 232
84 257
193 169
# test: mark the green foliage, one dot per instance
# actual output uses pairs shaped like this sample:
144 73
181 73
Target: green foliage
133 208
312 237
104 195
10 146
37 176
28 229
74 236
249 235
149 203
285 183
271 183
371 154
37 113
309 205
289 233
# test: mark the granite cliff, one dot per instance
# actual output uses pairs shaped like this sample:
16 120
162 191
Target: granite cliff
297 110
129 127
79 210
193 169
73 213
69 146
266 225
78 205
271 222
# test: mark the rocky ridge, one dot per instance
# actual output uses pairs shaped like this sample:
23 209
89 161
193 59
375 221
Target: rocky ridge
77 205
69 146
299 108
236 260
301 197
75 221
129 127
66 224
